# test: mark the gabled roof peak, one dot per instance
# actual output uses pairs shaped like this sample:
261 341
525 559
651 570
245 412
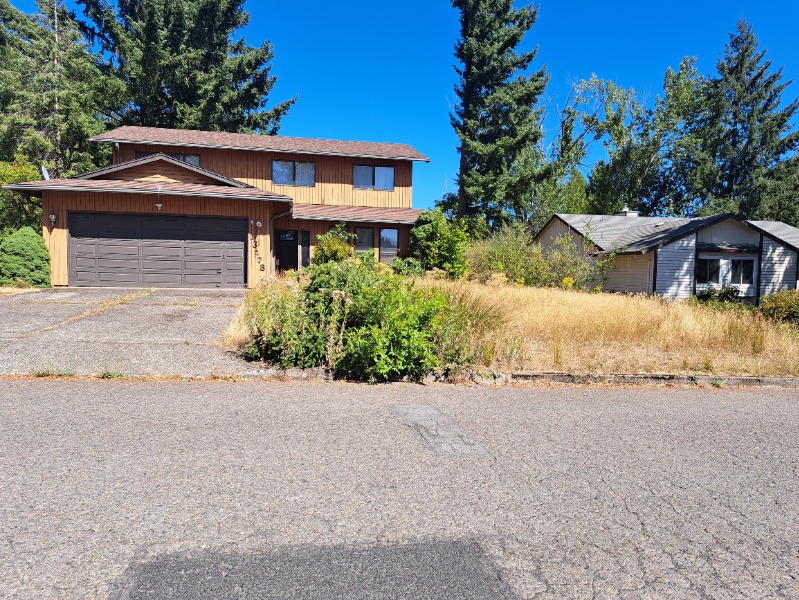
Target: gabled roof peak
160 156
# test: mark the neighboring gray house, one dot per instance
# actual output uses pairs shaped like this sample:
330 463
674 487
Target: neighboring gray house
680 257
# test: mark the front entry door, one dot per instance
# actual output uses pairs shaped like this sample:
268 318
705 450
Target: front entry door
286 249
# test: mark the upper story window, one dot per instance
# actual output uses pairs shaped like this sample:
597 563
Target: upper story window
367 177
192 159
292 172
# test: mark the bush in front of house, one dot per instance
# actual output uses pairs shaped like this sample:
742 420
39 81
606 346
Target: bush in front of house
439 244
333 246
782 306
24 259
356 318
512 254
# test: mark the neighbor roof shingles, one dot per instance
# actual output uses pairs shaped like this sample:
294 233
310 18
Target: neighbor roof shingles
634 234
258 142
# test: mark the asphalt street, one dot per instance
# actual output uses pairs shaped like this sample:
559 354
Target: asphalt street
186 490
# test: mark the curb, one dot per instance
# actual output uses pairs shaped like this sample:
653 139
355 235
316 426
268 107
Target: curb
651 380
498 379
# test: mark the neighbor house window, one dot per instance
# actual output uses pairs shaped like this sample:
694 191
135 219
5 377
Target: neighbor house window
192 159
708 271
366 177
292 172
743 271
364 239
389 245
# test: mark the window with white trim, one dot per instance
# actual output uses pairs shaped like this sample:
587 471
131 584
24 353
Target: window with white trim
708 271
742 271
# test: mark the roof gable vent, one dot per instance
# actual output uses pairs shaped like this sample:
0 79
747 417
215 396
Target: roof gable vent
626 212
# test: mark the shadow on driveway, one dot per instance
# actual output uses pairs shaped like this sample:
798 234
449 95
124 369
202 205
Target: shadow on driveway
441 569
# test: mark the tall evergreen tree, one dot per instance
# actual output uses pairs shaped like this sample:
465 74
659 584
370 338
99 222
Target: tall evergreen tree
53 97
182 65
495 117
747 133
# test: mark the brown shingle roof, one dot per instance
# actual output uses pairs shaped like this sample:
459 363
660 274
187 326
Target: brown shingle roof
146 187
257 142
355 213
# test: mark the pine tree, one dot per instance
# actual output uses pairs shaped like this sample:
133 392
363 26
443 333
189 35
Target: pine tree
747 133
53 97
182 66
496 117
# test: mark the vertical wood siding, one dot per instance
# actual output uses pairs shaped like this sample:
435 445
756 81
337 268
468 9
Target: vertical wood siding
161 171
677 268
57 240
556 229
778 271
334 175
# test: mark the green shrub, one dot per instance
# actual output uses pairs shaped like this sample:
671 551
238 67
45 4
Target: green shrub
24 259
438 244
407 267
782 306
355 317
513 253
333 246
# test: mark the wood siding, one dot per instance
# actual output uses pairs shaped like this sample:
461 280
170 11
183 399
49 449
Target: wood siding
631 273
778 270
676 270
161 171
57 238
334 174
321 227
730 232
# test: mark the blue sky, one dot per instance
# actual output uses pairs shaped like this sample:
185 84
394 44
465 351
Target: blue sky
383 71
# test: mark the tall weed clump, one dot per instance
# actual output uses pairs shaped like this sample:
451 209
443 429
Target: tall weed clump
512 253
24 259
355 317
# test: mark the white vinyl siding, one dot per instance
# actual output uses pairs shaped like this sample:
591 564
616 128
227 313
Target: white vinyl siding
728 231
778 268
632 273
676 268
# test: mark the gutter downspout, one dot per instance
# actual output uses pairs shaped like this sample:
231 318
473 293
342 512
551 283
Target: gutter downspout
272 269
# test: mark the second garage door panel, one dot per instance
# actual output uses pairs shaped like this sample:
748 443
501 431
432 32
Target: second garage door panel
131 250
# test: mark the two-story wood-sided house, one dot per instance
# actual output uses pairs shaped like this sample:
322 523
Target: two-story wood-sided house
183 208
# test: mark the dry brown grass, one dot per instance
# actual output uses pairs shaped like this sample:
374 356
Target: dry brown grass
9 291
522 328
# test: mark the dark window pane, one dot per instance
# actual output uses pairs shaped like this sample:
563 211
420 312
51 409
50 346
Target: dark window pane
282 172
362 177
743 271
707 270
192 159
305 247
384 178
305 173
389 245
364 239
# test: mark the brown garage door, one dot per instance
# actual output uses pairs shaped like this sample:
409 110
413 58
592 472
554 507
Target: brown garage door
108 249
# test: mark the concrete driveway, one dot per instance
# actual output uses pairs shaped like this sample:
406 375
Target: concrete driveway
87 331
